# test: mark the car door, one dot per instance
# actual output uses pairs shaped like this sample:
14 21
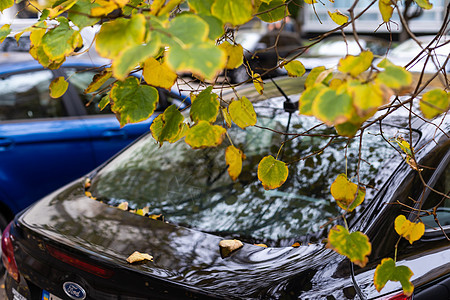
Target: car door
43 143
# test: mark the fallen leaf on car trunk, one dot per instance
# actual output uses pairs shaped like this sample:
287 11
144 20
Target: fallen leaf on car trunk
138 257
229 246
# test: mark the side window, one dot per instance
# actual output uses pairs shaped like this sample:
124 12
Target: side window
26 96
439 201
80 80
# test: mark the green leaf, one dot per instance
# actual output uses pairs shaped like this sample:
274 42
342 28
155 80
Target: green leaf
132 102
61 40
98 80
276 10
203 59
216 28
201 6
187 30
167 126
234 53
338 17
242 112
115 36
58 87
4 4
205 107
158 74
295 68
344 192
331 107
387 270
4 32
355 245
355 65
348 129
205 135
234 12
272 172
315 75
104 102
80 11
434 103
425 4
307 99
393 76
233 158
409 230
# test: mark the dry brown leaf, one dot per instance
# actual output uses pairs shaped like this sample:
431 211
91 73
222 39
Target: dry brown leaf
229 246
137 257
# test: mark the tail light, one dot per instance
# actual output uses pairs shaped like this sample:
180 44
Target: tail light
8 253
82 265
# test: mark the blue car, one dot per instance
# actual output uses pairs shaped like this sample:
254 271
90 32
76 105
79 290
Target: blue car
45 142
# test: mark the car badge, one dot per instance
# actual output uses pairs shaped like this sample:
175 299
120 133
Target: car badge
74 290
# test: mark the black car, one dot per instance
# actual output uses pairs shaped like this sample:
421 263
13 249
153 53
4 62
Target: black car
73 244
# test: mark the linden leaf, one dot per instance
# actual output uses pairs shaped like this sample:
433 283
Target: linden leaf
158 74
295 68
258 83
233 12
131 57
344 192
123 205
355 65
226 116
387 270
133 102
233 158
98 80
338 17
331 107
104 102
367 97
167 126
216 28
355 245
203 59
307 99
409 230
58 87
205 106
117 35
80 11
106 6
314 77
61 40
229 246
4 4
386 10
272 11
348 129
404 145
201 6
5 30
434 103
393 76
234 53
205 135
138 257
272 172
425 4
242 112
310 1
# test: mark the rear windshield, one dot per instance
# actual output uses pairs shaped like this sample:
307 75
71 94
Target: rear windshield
192 187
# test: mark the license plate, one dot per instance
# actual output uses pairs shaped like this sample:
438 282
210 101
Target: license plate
49 296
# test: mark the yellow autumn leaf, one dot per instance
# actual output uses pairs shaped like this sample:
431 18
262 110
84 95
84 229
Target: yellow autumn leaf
123 205
338 17
226 116
58 87
229 246
233 158
272 172
409 230
386 9
355 65
138 257
242 112
234 53
203 135
158 74
434 103
258 83
344 192
295 68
